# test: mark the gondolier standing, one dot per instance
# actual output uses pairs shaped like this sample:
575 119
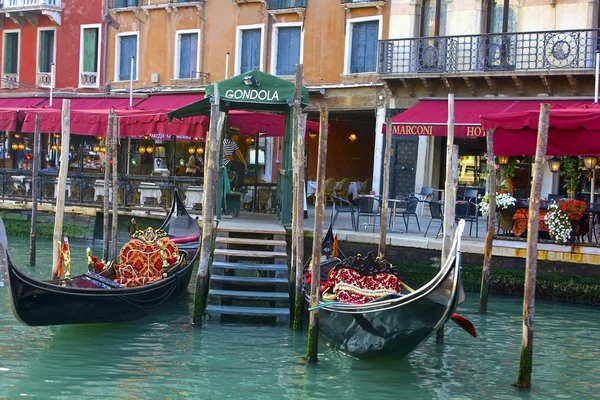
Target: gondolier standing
230 150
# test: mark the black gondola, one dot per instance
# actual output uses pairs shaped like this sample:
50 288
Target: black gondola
396 323
96 297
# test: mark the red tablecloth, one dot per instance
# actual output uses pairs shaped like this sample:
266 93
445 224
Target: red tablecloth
520 221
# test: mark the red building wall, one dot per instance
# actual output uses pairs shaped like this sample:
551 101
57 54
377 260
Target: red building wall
75 13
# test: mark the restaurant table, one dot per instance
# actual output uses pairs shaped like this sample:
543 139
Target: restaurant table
392 228
22 182
193 195
521 218
99 189
311 188
67 188
149 190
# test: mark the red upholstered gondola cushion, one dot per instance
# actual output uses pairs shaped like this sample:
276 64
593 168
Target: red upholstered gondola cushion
141 262
351 287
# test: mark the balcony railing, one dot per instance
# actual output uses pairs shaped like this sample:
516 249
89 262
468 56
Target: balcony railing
283 4
44 79
24 4
521 51
88 79
362 1
10 81
123 3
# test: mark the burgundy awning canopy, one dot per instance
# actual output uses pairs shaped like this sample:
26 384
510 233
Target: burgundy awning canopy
572 132
92 103
430 117
169 101
253 123
20 102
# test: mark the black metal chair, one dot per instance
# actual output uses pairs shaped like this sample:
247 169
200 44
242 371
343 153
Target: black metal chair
344 207
411 209
468 211
370 206
425 195
436 214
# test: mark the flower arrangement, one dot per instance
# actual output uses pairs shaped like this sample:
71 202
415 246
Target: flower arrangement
504 201
558 223
574 209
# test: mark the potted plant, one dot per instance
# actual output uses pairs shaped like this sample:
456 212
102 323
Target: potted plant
574 210
559 224
569 170
505 204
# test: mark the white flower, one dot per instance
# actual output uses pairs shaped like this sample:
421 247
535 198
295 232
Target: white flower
558 223
503 202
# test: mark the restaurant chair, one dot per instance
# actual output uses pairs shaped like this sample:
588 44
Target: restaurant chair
330 184
342 188
411 209
369 206
344 207
555 197
436 214
425 195
365 188
472 195
467 210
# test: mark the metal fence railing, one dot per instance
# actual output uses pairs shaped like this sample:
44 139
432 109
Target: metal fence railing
573 49
281 4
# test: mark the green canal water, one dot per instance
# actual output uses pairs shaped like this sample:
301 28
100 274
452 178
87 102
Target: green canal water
165 356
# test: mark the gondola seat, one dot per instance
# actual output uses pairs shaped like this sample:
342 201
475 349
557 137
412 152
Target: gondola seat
141 259
358 280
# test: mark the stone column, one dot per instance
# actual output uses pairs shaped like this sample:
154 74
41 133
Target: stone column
414 27
378 155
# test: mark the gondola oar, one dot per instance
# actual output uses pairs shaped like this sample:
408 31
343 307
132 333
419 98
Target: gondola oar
457 318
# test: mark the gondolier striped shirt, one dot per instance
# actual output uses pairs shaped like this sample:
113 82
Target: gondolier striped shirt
229 147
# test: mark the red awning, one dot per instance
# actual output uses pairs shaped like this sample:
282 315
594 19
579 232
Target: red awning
169 101
20 102
92 103
430 117
132 123
572 132
8 119
252 123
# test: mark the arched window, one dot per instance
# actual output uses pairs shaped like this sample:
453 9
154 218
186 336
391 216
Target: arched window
433 18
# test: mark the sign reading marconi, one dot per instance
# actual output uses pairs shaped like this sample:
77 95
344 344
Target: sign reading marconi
252 94
412 130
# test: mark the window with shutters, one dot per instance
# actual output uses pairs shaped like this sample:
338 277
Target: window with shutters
362 35
10 64
127 48
186 54
249 48
89 56
287 48
45 49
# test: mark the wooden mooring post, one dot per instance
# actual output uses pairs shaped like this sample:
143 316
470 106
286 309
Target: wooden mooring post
34 189
299 227
62 183
315 288
114 154
491 228
297 208
209 199
386 186
526 365
449 195
106 197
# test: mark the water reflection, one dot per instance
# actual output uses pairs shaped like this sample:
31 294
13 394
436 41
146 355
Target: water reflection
165 356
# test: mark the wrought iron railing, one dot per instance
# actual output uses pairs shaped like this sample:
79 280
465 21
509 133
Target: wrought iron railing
574 49
23 4
361 1
281 4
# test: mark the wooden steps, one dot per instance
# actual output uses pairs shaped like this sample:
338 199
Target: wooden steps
249 276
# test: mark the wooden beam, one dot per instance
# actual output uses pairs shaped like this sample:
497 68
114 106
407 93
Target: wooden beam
62 183
470 86
449 85
573 84
546 83
491 82
427 85
386 185
408 86
489 237
315 288
518 85
526 364
34 189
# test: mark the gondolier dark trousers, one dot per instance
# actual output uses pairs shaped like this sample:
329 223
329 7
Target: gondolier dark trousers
240 169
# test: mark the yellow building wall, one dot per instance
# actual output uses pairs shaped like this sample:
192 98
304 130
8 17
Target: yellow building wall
157 24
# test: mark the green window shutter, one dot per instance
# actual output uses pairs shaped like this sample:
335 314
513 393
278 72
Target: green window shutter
11 53
46 51
90 50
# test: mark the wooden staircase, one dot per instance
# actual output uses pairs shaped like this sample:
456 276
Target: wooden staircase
249 277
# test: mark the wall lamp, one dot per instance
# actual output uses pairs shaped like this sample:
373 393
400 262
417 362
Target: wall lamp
250 81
